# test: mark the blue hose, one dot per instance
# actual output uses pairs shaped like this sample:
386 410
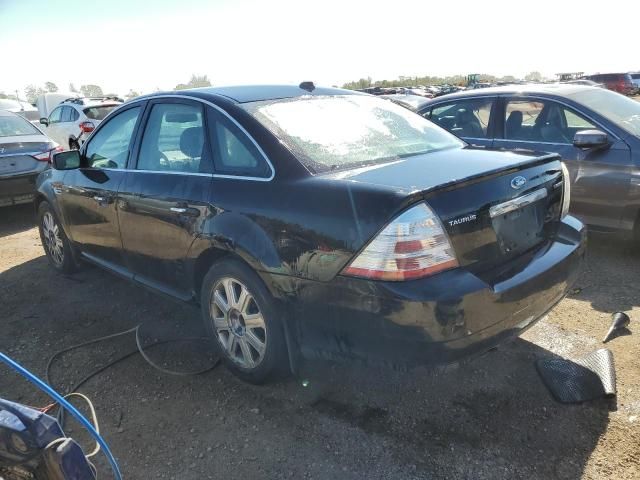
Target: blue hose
67 406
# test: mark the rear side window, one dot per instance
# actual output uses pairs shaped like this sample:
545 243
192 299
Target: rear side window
173 139
98 113
109 146
467 118
67 113
233 152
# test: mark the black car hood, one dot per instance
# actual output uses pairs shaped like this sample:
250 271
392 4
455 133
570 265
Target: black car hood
439 169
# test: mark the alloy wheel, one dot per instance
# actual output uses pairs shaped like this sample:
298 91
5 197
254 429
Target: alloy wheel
52 238
238 322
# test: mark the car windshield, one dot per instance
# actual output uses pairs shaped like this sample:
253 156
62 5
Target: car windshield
339 132
621 110
99 112
12 125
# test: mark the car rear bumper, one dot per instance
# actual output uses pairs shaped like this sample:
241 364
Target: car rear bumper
16 190
439 319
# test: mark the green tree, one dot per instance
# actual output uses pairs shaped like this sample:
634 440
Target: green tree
91 90
32 92
50 87
132 94
196 81
72 88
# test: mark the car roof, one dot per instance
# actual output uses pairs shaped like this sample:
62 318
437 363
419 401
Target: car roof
557 89
257 93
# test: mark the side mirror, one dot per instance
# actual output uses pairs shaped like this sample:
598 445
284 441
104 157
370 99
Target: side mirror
590 139
66 160
44 121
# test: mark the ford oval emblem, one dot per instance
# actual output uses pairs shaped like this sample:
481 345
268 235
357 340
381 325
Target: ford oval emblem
518 182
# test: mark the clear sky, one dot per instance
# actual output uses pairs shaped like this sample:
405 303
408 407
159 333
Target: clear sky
145 45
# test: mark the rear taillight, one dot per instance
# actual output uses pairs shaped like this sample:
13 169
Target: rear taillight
47 156
566 191
412 246
87 127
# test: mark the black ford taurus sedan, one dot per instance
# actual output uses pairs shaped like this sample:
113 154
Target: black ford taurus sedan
313 222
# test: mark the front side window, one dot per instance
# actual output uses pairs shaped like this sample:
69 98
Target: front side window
233 151
339 132
55 115
173 139
542 121
109 146
465 118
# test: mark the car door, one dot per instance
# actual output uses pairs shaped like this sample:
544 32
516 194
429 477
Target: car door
52 129
65 127
600 179
89 193
164 199
467 118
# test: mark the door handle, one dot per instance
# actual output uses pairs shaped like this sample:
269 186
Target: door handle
189 212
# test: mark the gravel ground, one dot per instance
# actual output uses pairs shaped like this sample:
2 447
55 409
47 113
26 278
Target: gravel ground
490 418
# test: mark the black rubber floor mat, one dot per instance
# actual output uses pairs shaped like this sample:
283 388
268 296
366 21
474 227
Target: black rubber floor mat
576 381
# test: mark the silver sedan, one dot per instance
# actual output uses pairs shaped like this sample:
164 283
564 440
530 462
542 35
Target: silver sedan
24 152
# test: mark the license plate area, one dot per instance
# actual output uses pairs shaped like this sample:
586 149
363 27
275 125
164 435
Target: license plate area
519 223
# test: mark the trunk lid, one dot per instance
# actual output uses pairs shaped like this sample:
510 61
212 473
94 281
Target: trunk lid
495 206
16 153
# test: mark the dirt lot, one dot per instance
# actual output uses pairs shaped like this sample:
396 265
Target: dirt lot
491 418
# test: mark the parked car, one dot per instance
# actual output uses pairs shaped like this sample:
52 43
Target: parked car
71 122
23 109
618 82
315 221
635 78
596 132
24 152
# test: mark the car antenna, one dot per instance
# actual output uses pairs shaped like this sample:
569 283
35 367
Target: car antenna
308 86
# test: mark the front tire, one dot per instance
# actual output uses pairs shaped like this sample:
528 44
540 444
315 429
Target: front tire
244 323
55 243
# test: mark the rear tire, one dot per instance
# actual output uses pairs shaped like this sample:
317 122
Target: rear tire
244 322
54 241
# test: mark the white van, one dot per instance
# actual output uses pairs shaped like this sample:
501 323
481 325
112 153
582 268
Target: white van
48 101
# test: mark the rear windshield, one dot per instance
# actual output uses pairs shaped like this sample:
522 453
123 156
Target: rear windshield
98 113
12 125
341 132
619 109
